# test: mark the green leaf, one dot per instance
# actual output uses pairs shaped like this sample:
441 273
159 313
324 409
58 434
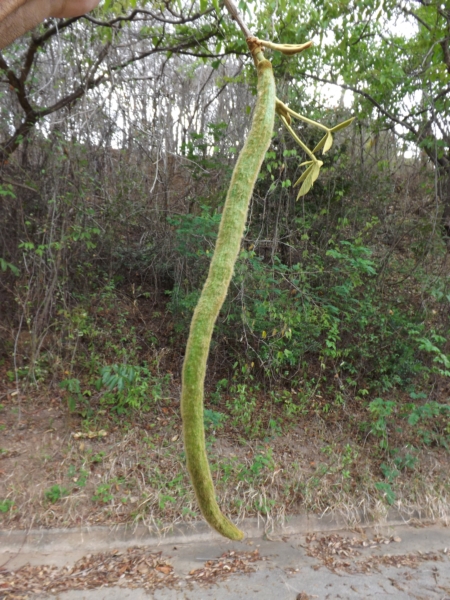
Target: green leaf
328 142
308 178
307 183
303 176
243 5
6 190
316 170
342 125
321 144
6 265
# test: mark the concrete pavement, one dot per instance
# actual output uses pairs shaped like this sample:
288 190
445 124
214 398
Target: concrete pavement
399 561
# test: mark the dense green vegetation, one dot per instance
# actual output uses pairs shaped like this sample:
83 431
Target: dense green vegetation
117 145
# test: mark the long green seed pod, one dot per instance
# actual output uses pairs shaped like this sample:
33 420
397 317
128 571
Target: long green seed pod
213 295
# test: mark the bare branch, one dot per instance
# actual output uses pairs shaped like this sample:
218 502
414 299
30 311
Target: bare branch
236 17
408 11
351 88
131 17
17 85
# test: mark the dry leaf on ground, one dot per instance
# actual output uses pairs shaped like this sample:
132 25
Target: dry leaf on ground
134 568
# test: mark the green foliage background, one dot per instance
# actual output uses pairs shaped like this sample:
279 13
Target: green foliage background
339 301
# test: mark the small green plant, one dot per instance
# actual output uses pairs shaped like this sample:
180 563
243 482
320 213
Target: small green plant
103 493
430 344
262 461
164 499
242 407
274 428
74 395
291 406
390 472
55 493
387 491
349 456
408 461
213 419
431 422
381 410
221 386
131 387
6 505
427 411
264 505
98 458
79 478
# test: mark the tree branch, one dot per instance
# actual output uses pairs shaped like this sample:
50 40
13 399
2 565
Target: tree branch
446 51
236 17
174 49
34 115
52 31
134 13
17 85
351 88
408 11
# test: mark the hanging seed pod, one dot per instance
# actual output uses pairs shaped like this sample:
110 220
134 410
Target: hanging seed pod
213 295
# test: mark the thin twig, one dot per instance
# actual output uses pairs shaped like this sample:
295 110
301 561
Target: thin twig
231 7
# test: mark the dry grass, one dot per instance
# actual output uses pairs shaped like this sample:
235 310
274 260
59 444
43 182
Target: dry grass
60 472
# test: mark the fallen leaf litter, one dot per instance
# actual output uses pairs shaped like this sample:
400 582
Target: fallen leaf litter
221 568
340 553
134 568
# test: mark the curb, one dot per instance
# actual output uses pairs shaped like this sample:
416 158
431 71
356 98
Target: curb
100 538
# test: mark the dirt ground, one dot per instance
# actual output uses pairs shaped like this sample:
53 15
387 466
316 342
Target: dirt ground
60 470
